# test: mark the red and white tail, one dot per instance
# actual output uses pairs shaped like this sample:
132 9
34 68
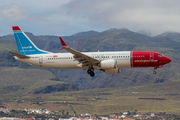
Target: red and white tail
16 29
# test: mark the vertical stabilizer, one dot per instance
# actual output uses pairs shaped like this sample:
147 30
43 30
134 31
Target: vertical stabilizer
24 44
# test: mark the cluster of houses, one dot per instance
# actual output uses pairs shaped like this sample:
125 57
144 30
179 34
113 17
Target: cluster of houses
38 111
28 110
4 110
114 116
127 116
124 116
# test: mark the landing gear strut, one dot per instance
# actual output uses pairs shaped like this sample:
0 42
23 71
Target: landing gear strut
154 71
90 71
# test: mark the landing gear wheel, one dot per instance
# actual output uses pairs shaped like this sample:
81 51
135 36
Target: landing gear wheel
92 74
89 71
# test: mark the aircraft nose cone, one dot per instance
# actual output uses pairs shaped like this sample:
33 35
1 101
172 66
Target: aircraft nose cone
168 60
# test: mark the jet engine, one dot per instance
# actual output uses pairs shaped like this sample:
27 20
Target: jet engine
108 64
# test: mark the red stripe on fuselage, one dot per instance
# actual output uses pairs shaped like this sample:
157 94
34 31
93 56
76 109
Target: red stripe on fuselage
145 59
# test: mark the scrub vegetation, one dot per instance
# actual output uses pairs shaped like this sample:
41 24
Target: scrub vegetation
160 97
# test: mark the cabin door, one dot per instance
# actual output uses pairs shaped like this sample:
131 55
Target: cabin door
151 56
40 60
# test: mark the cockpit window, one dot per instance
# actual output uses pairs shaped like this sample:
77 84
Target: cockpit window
160 55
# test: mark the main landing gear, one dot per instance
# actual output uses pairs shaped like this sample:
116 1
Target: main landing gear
90 71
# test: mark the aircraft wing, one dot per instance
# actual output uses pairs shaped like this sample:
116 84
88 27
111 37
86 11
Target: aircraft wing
18 55
84 60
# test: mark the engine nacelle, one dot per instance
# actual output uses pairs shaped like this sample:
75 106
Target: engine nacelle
108 64
112 71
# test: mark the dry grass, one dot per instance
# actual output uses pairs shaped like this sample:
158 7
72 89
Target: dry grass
111 100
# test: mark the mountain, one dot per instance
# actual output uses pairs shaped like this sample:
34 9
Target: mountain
133 89
171 35
79 35
113 40
44 42
22 81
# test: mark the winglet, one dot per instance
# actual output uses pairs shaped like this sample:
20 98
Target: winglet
63 43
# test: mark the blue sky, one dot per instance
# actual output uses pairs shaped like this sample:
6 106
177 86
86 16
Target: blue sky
67 17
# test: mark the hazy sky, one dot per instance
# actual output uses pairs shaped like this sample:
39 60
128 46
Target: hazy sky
67 17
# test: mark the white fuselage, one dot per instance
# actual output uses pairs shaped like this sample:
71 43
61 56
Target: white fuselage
108 62
67 61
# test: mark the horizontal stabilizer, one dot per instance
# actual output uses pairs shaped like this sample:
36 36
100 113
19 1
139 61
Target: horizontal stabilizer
18 55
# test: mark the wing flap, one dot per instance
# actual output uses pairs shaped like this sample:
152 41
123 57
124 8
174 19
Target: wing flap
18 55
80 56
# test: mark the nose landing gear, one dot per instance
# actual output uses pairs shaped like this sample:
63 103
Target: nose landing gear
90 71
154 71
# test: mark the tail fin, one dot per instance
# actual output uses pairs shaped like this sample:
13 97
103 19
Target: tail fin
24 44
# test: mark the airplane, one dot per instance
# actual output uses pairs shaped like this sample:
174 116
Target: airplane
108 62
